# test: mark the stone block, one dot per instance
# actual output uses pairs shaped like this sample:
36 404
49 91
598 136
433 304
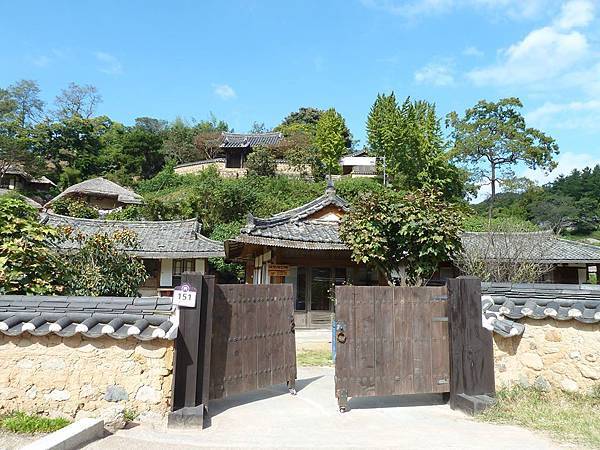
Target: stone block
589 372
148 394
532 360
569 385
115 393
542 384
553 335
150 351
58 395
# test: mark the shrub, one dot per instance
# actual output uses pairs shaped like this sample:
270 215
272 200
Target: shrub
74 208
261 162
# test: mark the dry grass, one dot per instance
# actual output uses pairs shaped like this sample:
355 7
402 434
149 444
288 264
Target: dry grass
567 417
320 358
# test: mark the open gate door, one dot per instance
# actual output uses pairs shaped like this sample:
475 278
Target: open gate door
391 341
253 342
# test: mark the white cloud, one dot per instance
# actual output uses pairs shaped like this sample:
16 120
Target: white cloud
40 61
472 51
567 162
436 74
110 63
575 13
224 91
568 115
517 9
544 53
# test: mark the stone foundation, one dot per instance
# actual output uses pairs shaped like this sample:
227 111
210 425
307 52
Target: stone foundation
79 377
550 354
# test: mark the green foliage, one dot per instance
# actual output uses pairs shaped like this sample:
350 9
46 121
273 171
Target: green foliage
478 223
28 263
101 267
133 212
410 139
315 358
227 272
68 206
261 162
305 120
329 139
405 236
20 422
492 138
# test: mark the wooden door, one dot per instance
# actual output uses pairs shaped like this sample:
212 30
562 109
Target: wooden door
390 341
253 342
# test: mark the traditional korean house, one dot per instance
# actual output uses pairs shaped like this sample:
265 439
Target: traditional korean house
359 164
18 179
103 194
167 249
302 247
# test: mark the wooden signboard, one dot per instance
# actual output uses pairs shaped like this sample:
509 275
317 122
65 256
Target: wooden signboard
279 270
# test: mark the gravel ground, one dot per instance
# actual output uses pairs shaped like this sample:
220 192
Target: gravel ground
14 441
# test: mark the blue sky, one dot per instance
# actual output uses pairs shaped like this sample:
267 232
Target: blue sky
258 60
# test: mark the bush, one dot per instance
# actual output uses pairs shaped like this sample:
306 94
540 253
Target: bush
261 162
74 208
29 264
227 272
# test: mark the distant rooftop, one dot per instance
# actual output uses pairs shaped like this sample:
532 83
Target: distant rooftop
236 140
166 239
101 187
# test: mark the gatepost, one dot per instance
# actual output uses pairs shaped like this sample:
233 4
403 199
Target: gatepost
191 366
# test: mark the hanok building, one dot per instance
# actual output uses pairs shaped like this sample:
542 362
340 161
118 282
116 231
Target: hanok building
18 179
167 249
302 247
234 149
100 193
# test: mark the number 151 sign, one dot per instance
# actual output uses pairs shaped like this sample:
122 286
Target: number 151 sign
184 295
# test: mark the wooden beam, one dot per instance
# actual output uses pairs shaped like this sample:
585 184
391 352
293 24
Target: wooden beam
472 383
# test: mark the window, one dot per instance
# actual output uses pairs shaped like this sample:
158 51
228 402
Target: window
180 266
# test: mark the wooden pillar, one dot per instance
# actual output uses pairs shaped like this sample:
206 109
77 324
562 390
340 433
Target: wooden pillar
191 367
472 383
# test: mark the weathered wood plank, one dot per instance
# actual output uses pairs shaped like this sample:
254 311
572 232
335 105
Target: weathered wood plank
471 351
384 340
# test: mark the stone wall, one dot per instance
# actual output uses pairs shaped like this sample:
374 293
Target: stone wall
79 377
550 354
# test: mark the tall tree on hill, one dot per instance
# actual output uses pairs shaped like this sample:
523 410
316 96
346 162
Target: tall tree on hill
330 139
305 120
28 108
410 138
77 101
493 137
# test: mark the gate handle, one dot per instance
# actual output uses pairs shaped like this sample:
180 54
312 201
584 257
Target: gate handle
341 337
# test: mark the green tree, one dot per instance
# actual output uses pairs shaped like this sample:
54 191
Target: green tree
28 107
151 125
493 137
404 236
330 140
29 264
77 101
410 138
101 266
261 162
305 120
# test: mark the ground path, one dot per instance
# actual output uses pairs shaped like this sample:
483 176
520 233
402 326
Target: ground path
271 418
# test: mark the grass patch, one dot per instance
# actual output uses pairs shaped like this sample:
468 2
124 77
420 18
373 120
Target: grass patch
130 415
567 417
314 358
19 422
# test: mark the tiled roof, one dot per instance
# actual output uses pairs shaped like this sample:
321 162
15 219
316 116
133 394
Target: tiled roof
168 239
542 246
118 317
295 228
27 200
102 188
542 301
236 140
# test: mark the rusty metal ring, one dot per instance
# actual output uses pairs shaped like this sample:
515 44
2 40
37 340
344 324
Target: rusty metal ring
341 337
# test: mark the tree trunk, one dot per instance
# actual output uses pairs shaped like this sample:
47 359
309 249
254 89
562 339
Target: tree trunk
493 196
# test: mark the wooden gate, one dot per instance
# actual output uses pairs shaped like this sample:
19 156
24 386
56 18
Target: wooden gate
253 341
391 341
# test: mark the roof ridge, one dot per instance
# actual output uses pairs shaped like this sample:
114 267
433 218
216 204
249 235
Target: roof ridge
84 219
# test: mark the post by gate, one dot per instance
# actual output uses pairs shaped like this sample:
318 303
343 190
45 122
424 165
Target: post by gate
390 341
253 342
237 338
